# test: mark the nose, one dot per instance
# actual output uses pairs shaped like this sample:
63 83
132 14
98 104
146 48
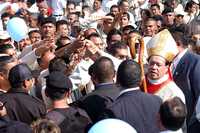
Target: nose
154 66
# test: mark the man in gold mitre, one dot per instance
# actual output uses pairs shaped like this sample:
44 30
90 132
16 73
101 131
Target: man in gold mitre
161 51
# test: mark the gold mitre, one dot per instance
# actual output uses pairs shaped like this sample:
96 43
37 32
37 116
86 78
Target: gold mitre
162 44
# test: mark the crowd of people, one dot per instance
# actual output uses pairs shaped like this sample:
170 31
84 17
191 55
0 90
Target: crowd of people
67 66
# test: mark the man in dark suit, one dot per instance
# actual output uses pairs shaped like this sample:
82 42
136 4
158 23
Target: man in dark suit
186 74
137 108
102 74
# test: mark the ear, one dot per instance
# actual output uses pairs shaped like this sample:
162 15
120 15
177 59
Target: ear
25 83
159 122
94 80
166 69
46 93
68 93
178 43
2 76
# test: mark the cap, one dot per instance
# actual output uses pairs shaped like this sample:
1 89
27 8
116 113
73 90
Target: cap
195 1
167 10
19 73
4 35
57 82
42 3
162 44
180 13
5 58
48 20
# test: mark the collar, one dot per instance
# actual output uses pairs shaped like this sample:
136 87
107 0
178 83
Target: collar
102 84
178 58
158 81
3 91
17 90
128 90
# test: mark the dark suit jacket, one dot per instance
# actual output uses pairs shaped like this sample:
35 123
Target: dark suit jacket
95 102
138 109
187 77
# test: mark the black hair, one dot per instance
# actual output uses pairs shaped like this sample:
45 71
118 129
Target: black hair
92 35
71 3
111 33
5 47
55 95
173 113
129 74
4 60
61 22
150 19
156 5
114 6
135 31
121 2
126 15
34 31
57 64
158 18
147 12
103 69
180 38
128 27
4 15
117 45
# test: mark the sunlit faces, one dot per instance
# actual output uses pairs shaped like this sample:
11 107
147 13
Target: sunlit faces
121 54
35 37
42 9
157 67
48 30
23 43
114 10
71 18
97 5
169 18
150 28
98 42
63 30
124 20
155 10
124 6
70 8
115 38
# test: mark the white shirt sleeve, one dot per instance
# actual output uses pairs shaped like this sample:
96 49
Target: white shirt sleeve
25 51
63 3
29 58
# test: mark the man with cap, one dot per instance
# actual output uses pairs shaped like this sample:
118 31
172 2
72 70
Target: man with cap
19 104
161 51
48 27
168 17
5 38
67 117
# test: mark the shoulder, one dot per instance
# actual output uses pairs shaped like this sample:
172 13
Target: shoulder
171 90
192 56
138 97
